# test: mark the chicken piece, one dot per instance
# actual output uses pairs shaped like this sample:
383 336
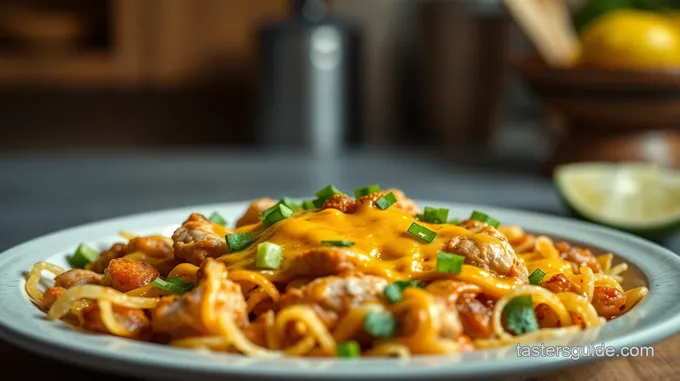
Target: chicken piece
341 202
333 296
495 256
474 315
608 302
197 312
323 261
578 257
197 240
558 283
155 246
102 262
76 277
125 274
135 321
51 295
252 214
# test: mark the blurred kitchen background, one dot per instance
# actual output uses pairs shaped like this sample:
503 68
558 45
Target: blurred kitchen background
102 75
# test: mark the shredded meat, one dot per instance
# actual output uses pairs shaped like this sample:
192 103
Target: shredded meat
76 277
323 261
333 296
497 257
132 319
51 295
558 283
126 274
196 240
252 214
197 312
578 257
608 302
341 202
116 251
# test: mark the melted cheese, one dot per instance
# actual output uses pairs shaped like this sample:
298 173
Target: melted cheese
383 246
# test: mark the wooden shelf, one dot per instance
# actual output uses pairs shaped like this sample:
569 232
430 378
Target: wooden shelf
79 69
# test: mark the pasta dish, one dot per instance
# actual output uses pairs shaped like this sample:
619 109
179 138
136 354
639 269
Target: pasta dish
368 275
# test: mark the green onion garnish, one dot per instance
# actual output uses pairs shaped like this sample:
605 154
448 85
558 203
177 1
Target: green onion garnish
434 215
174 285
520 316
536 277
268 256
309 204
395 292
449 263
217 219
479 216
365 191
238 241
349 349
290 203
454 221
84 255
339 243
380 324
327 193
422 232
275 214
386 201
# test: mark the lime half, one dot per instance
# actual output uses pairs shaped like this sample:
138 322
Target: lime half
638 198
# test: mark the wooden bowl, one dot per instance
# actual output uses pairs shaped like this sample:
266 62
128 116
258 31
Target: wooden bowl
608 115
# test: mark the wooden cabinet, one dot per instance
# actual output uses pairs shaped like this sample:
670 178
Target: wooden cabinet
138 42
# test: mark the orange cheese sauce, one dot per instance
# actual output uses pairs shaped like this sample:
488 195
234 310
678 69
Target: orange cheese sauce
382 245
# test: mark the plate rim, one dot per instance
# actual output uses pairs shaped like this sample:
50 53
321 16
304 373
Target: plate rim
112 360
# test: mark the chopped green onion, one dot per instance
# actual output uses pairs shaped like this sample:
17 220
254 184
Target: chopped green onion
290 203
349 349
318 203
422 232
238 241
434 215
275 214
339 243
536 277
395 292
449 263
380 324
520 316
174 285
454 221
84 255
365 191
386 201
217 219
327 192
268 256
309 204
479 216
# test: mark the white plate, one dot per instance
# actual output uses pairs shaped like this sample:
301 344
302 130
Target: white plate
655 318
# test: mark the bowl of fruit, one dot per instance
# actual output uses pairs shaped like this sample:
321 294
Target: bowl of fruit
608 75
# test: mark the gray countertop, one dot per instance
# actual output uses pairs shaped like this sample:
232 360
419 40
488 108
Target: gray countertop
41 193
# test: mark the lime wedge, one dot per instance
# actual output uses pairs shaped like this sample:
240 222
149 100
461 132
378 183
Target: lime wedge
638 198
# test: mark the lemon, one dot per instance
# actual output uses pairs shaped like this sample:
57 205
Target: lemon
638 198
631 39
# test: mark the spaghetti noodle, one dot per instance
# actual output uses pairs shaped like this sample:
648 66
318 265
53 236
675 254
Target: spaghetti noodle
337 276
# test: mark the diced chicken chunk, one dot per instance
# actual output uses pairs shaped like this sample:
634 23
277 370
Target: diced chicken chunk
197 240
155 246
495 256
125 274
197 313
341 202
252 214
76 277
51 295
333 296
323 261
608 302
116 251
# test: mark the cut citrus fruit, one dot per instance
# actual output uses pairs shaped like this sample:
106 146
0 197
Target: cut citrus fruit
638 198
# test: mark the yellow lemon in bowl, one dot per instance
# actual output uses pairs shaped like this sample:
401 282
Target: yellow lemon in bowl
631 39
